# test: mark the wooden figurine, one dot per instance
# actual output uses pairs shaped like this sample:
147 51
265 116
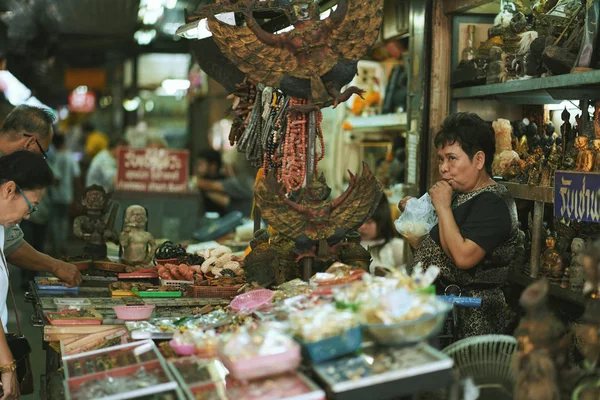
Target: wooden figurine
577 271
313 49
95 226
313 221
585 156
543 343
504 155
565 129
551 263
596 149
137 244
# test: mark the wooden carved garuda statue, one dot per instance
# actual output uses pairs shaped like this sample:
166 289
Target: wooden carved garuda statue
318 55
313 221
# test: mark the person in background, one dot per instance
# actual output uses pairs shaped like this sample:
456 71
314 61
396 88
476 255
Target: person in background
380 238
103 169
235 193
156 142
95 141
24 177
66 170
30 128
208 167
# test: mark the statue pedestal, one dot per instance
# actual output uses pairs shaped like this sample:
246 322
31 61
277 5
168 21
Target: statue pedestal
98 252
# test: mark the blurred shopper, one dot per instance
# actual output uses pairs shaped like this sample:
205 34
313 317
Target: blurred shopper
95 141
208 167
156 142
236 192
66 170
103 169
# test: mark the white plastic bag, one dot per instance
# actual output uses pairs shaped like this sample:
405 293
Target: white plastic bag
416 221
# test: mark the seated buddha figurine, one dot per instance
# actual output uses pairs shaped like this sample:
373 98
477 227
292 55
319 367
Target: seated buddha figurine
138 245
551 263
585 156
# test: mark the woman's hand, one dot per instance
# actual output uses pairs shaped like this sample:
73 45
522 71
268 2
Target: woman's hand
10 386
441 195
402 204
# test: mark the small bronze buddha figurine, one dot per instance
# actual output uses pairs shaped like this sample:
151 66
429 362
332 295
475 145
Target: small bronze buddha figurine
596 149
552 264
585 156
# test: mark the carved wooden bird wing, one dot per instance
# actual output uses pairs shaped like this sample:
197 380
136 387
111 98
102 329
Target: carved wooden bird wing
361 202
278 214
262 63
358 31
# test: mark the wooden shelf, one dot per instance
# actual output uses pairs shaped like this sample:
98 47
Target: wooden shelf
551 89
533 193
555 291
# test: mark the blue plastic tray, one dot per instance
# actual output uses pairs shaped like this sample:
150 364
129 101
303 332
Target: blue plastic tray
55 288
334 347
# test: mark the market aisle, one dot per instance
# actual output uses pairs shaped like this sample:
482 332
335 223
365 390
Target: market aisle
34 335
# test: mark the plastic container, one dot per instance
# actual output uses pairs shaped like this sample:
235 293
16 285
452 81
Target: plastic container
183 349
133 313
157 294
333 347
469 302
252 301
177 285
259 367
410 332
71 304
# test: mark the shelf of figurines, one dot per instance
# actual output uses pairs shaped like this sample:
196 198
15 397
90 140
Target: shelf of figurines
556 291
528 192
550 89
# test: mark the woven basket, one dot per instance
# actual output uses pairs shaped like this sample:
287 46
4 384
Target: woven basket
486 359
215 292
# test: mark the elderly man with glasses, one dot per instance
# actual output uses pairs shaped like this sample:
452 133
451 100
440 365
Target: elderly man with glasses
30 128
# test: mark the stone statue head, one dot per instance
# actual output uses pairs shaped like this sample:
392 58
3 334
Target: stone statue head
94 198
577 245
136 216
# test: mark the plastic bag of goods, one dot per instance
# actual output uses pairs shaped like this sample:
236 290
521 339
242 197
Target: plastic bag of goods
416 221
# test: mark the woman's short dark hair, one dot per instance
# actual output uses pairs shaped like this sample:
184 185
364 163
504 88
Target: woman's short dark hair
212 157
385 226
472 133
27 169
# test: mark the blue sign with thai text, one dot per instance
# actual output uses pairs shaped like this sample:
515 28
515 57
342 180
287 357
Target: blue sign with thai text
576 196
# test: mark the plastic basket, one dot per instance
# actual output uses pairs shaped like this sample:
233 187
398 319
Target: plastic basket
133 313
215 292
252 301
71 304
409 332
182 349
333 347
177 285
487 359
259 367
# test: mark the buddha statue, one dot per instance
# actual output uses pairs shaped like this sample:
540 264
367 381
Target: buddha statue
551 262
585 156
548 139
137 244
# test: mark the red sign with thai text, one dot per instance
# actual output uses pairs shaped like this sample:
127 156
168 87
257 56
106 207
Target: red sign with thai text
153 170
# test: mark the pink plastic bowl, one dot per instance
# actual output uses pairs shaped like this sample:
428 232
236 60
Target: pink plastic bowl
252 301
183 349
133 313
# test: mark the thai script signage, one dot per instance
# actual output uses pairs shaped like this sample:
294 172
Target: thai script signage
153 170
576 196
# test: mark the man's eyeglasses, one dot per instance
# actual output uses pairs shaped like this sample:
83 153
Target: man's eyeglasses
44 155
32 208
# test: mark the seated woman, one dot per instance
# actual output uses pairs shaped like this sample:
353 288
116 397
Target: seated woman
24 177
474 241
379 237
